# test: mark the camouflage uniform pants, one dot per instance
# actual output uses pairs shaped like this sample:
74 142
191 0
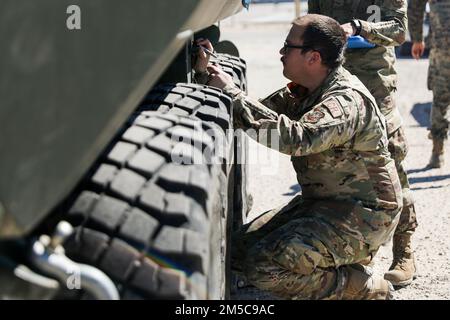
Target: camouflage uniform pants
431 69
440 113
398 148
440 68
296 252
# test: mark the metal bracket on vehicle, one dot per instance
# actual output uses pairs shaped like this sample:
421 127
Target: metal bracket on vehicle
48 255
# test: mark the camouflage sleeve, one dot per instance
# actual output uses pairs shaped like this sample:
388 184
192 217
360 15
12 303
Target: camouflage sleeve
247 111
416 13
391 30
276 101
324 126
313 6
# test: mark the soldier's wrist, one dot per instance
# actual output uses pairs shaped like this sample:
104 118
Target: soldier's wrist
366 29
232 90
201 77
417 39
201 70
357 26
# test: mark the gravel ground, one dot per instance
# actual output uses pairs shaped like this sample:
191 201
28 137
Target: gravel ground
259 34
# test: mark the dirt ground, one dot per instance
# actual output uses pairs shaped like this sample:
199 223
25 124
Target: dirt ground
259 33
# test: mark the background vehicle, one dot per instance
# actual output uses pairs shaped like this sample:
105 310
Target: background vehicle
89 125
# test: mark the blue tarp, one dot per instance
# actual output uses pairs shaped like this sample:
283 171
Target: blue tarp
358 42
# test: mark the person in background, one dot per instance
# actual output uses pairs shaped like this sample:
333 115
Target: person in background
439 70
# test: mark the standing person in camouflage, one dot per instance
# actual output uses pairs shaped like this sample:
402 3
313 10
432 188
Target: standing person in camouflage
439 72
417 51
375 68
314 247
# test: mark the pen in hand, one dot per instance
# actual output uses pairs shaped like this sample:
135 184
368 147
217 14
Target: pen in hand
208 51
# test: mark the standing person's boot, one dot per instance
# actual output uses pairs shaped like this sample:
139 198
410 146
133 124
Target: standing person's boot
363 285
437 155
403 268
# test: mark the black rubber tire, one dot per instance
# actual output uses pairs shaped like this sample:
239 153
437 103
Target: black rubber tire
206 103
237 68
234 66
191 100
157 228
212 106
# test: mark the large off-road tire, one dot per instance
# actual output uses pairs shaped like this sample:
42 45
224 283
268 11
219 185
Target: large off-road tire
213 106
156 227
234 66
237 68
202 102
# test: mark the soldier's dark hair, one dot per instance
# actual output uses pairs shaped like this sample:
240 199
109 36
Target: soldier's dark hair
325 35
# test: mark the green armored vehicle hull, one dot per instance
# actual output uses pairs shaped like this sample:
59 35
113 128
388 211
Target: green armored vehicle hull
99 128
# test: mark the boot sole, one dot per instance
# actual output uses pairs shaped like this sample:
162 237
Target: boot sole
402 284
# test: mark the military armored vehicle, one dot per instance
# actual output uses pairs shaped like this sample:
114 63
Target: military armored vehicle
102 195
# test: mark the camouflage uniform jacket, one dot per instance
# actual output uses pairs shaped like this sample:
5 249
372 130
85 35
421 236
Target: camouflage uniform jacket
374 67
335 135
416 12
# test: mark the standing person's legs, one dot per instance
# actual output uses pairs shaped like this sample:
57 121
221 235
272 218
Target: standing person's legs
440 115
403 268
431 69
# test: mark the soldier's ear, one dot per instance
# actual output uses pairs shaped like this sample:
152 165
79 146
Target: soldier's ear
315 57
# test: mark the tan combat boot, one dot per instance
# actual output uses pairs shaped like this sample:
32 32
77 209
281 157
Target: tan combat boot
403 268
363 285
437 155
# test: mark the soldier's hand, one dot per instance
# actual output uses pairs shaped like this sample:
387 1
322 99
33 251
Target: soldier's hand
417 49
348 29
218 78
202 60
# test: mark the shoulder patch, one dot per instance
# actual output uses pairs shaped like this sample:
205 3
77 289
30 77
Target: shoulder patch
314 116
333 107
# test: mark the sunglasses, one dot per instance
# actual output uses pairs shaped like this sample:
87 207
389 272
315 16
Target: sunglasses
286 46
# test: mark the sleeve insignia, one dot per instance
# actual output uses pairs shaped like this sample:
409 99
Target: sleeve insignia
314 116
333 107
